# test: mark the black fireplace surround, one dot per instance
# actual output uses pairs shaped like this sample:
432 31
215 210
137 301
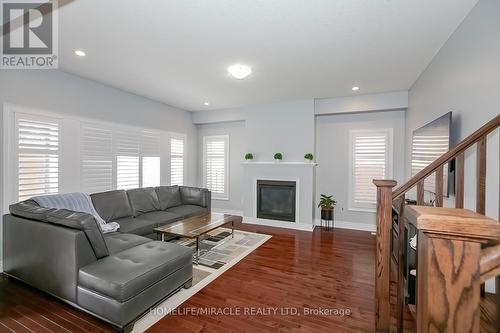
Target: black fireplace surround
276 200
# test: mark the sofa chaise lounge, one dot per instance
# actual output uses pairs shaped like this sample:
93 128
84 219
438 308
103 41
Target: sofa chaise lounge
115 276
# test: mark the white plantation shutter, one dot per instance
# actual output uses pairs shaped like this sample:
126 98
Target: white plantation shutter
38 156
150 152
127 143
216 165
150 171
96 158
150 143
371 159
176 161
426 149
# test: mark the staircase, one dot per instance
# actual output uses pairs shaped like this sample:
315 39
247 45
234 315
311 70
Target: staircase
457 249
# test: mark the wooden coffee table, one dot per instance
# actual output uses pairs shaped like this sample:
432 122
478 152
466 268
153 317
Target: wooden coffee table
197 227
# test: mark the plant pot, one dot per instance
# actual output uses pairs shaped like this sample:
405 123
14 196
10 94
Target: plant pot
277 161
327 214
309 161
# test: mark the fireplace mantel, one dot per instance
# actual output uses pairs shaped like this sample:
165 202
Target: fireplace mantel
311 164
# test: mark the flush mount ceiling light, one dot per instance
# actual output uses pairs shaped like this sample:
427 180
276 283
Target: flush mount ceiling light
239 71
80 53
355 88
206 103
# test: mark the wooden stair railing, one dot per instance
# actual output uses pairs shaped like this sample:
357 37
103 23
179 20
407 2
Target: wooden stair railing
391 202
448 261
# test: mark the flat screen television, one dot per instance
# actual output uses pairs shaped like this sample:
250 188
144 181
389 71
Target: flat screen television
429 142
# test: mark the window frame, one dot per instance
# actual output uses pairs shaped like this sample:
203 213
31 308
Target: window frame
389 132
217 196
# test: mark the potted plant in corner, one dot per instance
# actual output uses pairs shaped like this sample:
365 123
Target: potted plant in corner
278 157
327 204
249 157
309 157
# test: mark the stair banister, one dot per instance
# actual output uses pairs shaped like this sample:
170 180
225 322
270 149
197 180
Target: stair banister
448 266
448 156
383 260
386 199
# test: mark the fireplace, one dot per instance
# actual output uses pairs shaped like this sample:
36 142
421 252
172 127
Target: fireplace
276 200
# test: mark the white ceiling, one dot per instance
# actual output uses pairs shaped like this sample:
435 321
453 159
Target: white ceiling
177 51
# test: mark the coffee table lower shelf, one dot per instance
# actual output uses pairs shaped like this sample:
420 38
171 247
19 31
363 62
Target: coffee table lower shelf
197 228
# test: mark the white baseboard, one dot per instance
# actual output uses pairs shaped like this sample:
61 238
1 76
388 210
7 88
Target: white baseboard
352 225
278 224
227 211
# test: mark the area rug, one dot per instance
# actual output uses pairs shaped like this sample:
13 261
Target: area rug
219 253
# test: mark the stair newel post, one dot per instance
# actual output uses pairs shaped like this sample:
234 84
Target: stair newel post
383 264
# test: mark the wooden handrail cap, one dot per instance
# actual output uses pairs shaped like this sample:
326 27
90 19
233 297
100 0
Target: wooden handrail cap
453 223
385 182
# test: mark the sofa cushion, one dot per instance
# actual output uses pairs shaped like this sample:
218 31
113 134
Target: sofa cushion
118 242
161 217
145 224
84 222
187 210
169 196
143 200
193 196
137 225
112 205
128 273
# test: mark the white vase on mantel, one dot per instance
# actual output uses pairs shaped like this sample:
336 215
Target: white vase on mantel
277 161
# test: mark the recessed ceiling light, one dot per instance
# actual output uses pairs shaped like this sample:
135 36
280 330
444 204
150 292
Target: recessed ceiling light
80 53
355 88
239 71
206 103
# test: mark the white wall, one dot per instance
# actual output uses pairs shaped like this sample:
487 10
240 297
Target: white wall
396 100
237 145
286 127
464 78
282 127
332 150
56 91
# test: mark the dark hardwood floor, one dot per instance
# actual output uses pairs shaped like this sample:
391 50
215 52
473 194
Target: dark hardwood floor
294 270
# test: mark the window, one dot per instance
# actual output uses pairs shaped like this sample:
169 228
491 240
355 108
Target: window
150 154
150 171
127 158
127 172
96 158
215 162
47 153
176 161
371 158
118 157
37 155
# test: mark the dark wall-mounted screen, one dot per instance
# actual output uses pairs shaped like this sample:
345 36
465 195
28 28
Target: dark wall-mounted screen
430 142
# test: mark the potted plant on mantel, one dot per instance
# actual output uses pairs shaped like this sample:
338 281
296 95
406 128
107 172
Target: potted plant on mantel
327 204
249 157
309 157
278 157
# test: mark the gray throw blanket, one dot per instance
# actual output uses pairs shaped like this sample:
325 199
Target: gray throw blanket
77 202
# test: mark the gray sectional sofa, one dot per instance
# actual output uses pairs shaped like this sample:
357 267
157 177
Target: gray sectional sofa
116 276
